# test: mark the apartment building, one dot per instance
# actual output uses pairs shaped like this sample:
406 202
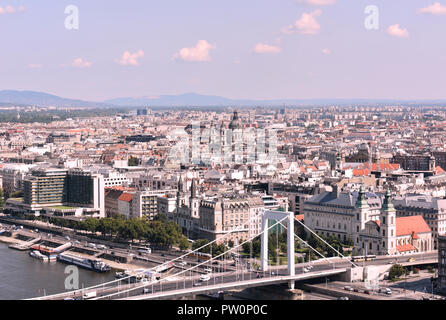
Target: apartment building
432 209
239 217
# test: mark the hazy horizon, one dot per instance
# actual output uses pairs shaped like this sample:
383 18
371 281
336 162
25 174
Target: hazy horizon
250 50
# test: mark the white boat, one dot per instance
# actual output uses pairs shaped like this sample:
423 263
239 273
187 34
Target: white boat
90 264
36 254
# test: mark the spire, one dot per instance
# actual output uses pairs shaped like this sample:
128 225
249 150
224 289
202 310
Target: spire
180 184
361 202
193 189
387 204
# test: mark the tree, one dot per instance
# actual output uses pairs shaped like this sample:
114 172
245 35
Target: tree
17 194
2 199
396 271
184 244
133 161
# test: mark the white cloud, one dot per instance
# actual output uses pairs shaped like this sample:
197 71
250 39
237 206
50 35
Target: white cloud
81 63
265 48
199 53
319 2
436 9
396 31
326 51
10 9
307 24
131 59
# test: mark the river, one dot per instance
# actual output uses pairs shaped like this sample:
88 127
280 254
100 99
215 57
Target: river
23 277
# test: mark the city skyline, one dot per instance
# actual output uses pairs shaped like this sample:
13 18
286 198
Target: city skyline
261 51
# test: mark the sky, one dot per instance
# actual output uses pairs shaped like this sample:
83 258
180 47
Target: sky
239 49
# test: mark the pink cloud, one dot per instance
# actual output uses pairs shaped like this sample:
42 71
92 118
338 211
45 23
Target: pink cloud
307 24
265 48
131 59
326 51
396 31
11 10
199 53
81 63
436 9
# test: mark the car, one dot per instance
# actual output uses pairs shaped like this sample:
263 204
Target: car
76 242
343 298
208 270
273 273
348 288
411 260
390 262
183 263
205 278
163 254
387 291
425 298
67 238
36 230
146 291
367 292
356 290
306 270
197 284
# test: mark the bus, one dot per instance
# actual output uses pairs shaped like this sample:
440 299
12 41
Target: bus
363 258
199 255
144 250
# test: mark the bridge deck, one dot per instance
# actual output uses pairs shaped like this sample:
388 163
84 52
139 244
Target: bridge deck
234 285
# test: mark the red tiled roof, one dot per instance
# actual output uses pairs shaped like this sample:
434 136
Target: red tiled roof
300 217
438 170
408 225
361 172
406 247
126 197
415 236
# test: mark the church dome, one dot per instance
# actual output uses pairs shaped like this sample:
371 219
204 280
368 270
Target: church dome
236 122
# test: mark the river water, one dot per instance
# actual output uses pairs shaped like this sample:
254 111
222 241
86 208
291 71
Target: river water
23 277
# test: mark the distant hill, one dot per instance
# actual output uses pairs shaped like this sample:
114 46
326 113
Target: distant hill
198 100
34 98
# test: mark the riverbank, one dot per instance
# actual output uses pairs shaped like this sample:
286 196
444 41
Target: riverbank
10 240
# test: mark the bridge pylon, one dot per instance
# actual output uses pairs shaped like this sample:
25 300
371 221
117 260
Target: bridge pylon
278 216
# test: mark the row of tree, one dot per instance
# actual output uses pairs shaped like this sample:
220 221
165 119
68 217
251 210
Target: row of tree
159 231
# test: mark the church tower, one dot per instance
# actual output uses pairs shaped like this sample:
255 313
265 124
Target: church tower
388 225
180 190
360 218
194 201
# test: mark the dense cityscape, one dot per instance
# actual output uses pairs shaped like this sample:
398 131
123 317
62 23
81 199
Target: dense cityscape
222 159
364 183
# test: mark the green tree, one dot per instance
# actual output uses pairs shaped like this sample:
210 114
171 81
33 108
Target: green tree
396 271
133 162
2 199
